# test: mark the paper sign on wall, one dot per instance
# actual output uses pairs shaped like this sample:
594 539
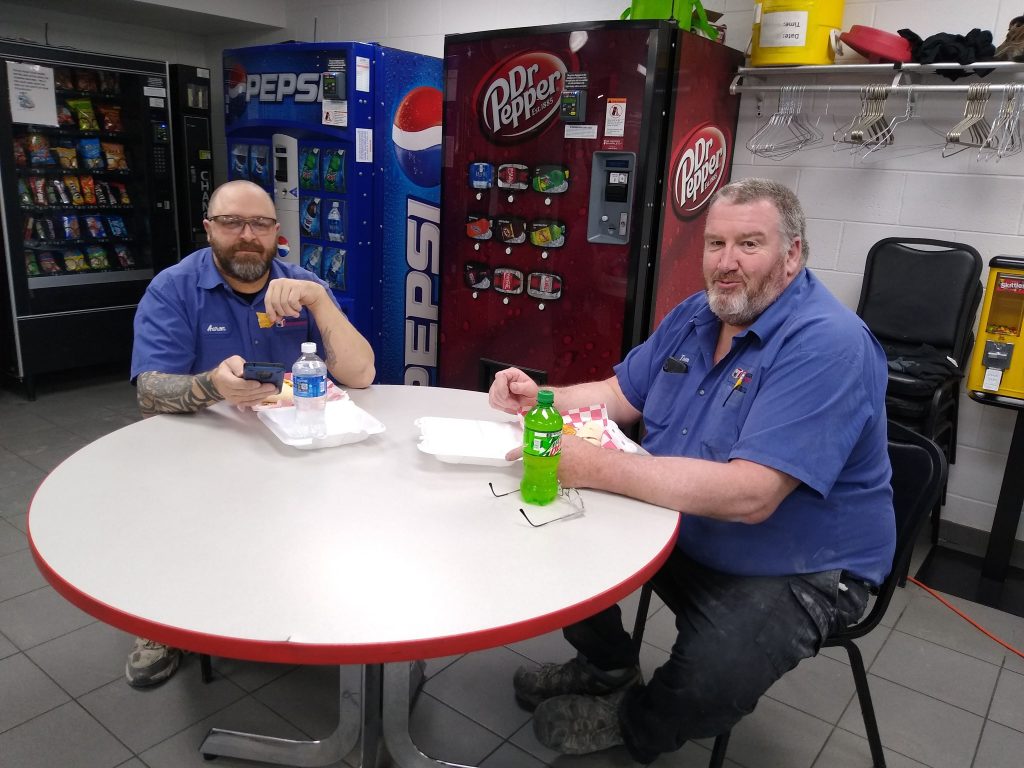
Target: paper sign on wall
33 95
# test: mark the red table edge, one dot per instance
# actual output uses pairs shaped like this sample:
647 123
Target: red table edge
285 652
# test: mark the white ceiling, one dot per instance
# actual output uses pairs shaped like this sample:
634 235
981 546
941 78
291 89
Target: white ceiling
200 17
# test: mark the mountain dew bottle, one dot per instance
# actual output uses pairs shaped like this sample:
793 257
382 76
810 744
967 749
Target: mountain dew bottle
542 446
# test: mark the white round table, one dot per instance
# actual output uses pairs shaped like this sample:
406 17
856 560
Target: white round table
207 533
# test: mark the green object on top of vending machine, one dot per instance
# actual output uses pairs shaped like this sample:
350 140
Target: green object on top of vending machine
689 13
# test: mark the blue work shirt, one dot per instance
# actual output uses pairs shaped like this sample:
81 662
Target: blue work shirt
810 402
190 320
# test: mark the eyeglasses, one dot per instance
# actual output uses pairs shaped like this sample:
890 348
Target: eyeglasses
261 225
570 495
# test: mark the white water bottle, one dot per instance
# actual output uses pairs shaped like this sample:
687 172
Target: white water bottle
334 228
309 386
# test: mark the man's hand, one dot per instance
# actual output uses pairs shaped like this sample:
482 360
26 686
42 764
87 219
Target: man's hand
578 464
512 391
286 297
228 381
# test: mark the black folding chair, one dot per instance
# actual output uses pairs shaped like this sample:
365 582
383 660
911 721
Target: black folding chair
919 297
918 475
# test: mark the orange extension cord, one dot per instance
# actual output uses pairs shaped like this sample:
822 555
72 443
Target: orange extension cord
964 616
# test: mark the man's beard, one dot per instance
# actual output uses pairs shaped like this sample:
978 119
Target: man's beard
248 268
745 306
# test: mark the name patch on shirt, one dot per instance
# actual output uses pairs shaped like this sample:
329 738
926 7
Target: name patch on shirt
219 329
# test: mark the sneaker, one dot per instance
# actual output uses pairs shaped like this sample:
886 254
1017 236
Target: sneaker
579 725
532 686
150 663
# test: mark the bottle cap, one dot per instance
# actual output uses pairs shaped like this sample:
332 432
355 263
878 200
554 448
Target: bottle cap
309 347
545 397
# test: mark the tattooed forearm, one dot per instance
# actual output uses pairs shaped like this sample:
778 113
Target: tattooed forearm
175 393
330 356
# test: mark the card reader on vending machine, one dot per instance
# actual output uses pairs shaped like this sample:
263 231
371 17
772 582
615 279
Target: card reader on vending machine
997 367
611 197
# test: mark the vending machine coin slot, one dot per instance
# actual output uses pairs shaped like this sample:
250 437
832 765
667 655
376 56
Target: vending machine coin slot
611 197
998 355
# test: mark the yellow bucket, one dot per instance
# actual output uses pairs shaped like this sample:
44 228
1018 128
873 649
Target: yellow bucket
792 32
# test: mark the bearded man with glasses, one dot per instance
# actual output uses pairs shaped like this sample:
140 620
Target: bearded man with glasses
200 320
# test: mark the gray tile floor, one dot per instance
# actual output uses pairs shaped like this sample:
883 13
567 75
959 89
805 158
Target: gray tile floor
946 696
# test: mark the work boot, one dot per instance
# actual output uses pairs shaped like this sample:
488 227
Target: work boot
579 725
150 663
532 686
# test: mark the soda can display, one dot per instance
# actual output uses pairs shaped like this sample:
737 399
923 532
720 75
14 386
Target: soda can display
550 179
310 258
477 275
481 175
512 230
259 167
310 211
334 268
547 234
240 161
544 285
513 176
479 227
508 280
309 168
334 170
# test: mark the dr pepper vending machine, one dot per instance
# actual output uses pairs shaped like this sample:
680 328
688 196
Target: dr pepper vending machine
87 204
578 163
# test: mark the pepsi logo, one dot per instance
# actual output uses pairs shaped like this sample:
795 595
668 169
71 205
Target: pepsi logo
698 170
416 134
236 100
283 249
520 95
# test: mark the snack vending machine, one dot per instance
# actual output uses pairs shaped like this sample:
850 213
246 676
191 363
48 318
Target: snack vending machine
346 137
86 203
579 160
997 369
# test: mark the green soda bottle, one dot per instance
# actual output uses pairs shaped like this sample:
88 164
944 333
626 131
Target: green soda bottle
331 177
542 446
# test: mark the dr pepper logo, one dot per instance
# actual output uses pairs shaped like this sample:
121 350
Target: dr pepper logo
698 169
520 95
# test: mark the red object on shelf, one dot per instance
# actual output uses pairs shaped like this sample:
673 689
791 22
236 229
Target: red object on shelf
876 45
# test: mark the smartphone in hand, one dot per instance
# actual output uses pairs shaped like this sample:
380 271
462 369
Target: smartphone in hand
266 372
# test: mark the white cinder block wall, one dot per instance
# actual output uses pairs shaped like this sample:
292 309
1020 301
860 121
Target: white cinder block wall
98 32
908 189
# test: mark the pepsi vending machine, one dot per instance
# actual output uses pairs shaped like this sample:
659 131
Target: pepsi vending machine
346 137
579 160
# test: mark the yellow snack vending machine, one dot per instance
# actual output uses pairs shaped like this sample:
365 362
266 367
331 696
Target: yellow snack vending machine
996 376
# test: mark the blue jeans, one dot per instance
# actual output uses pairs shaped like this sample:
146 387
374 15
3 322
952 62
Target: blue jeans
737 636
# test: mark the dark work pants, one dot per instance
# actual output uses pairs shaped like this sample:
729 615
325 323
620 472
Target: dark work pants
737 636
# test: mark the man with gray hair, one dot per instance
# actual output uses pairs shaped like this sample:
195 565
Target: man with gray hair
763 402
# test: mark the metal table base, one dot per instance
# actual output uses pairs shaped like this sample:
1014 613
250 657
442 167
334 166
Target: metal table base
376 707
